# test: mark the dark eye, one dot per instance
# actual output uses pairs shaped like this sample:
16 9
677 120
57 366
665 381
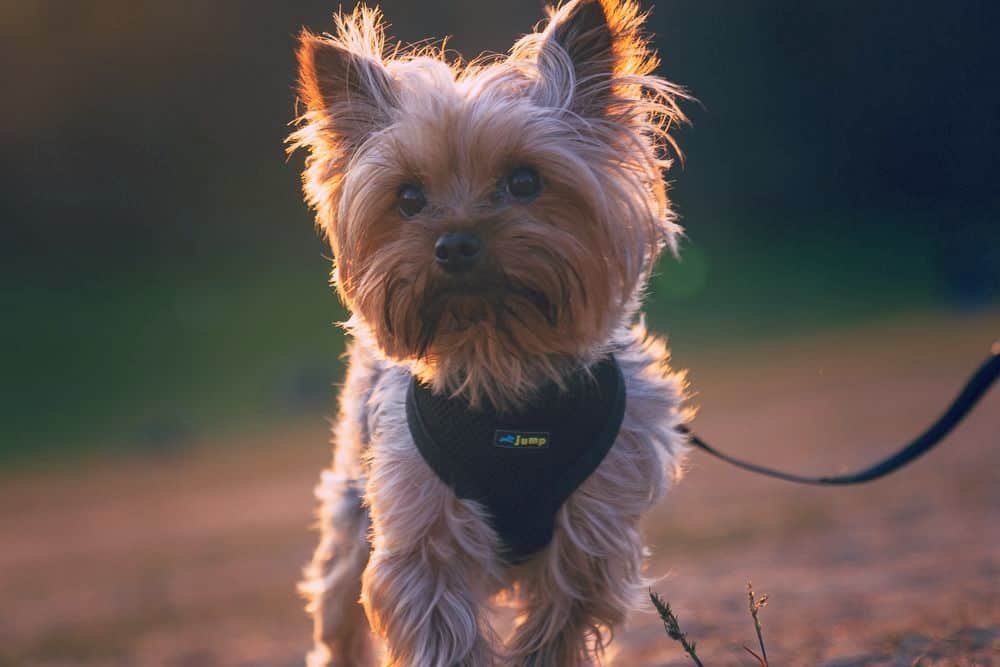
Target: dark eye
411 200
523 182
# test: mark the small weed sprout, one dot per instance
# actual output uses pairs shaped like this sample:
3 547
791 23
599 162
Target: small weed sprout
673 628
755 606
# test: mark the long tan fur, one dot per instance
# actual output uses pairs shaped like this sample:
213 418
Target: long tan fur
400 555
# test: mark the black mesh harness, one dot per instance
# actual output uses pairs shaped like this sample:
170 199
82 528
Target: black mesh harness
523 465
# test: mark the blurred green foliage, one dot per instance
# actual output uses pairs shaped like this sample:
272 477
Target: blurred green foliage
161 277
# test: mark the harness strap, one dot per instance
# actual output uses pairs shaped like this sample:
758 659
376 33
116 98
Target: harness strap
974 390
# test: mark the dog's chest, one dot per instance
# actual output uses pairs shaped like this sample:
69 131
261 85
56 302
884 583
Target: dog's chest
521 465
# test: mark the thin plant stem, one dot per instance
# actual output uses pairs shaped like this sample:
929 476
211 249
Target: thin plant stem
755 606
673 628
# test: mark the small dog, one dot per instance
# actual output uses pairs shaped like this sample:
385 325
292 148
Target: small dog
506 419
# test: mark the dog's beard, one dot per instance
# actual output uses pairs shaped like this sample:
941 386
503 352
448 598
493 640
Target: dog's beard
453 309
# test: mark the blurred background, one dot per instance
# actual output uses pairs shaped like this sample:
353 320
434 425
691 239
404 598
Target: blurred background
168 327
162 277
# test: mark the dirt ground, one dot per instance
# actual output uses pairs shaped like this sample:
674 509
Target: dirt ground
191 559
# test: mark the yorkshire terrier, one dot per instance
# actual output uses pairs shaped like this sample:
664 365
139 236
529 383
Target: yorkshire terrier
506 419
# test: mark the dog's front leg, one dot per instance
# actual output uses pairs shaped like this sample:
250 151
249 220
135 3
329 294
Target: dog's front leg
430 572
589 578
333 578
572 600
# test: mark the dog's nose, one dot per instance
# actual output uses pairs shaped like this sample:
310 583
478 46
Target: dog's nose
457 251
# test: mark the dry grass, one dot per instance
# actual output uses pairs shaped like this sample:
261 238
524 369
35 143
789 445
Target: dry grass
673 628
192 560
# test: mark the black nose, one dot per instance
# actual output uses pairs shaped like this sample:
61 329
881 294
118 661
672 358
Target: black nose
457 251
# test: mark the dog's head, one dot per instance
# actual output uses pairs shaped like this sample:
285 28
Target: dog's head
492 222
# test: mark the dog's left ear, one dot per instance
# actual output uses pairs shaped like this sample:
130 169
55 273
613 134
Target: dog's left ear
343 81
585 47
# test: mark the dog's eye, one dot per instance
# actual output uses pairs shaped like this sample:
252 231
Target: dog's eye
523 182
411 200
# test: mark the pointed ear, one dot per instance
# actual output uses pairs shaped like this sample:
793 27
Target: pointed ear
586 44
343 82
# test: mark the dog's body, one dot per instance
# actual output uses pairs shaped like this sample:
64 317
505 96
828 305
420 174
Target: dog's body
494 226
434 562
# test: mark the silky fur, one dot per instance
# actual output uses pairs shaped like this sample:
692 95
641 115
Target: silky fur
401 558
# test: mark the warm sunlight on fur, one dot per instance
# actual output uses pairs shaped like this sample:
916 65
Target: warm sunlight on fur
494 224
576 102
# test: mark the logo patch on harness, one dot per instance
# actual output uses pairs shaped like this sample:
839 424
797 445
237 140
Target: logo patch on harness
521 439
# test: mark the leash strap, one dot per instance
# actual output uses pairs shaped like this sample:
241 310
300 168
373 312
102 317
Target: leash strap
974 390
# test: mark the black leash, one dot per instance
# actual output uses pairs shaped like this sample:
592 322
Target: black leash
974 390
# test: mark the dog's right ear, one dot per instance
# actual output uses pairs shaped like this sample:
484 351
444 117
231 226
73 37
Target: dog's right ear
343 81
